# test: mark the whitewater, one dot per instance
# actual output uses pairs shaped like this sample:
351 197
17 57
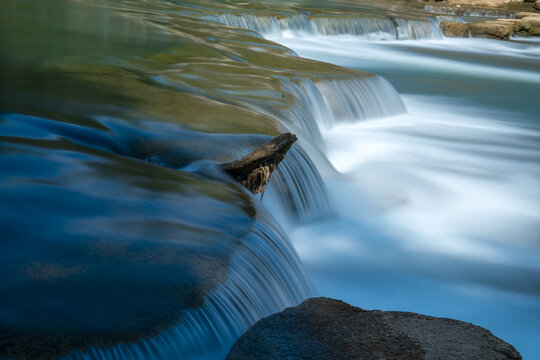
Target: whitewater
434 177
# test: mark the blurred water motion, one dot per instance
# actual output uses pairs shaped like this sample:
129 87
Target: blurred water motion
109 248
416 189
439 206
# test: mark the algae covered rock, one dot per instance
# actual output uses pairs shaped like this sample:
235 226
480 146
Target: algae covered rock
323 328
454 29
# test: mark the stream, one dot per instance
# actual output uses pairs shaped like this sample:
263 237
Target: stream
439 206
414 186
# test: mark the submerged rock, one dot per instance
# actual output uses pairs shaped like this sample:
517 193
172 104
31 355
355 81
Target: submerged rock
323 328
454 29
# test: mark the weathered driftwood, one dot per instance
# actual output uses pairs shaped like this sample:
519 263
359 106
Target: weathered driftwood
253 170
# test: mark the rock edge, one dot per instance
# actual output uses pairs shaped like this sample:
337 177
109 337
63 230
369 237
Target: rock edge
323 328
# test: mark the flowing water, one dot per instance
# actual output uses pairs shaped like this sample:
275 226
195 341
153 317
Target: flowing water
415 188
439 206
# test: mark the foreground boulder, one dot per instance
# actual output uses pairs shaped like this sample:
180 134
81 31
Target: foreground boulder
322 328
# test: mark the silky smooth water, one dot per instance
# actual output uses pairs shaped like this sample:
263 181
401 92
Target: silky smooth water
412 189
120 237
439 207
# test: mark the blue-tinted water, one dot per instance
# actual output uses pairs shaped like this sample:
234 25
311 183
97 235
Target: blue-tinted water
440 206
417 189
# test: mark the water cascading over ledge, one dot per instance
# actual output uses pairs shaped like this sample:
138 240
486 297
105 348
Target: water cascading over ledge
138 274
322 104
370 28
299 189
265 276
297 185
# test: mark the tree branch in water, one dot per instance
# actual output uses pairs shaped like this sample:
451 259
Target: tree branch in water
253 170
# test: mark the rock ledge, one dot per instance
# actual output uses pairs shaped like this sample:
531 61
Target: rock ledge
322 328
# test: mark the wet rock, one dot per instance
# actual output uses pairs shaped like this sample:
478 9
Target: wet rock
525 24
253 170
454 29
322 328
524 14
532 26
529 24
495 29
537 5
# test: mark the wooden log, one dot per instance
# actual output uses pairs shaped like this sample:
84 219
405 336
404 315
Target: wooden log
253 170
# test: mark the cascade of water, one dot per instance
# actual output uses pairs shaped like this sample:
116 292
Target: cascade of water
297 185
372 28
300 189
323 103
418 29
265 276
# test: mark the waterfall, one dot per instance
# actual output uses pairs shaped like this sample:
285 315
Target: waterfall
300 189
321 104
265 276
371 28
377 28
418 29
297 185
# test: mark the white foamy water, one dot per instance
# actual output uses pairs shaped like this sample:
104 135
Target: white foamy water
462 57
368 27
322 104
439 205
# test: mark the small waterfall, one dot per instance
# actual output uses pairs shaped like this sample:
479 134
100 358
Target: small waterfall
371 28
323 103
297 184
300 189
265 276
418 29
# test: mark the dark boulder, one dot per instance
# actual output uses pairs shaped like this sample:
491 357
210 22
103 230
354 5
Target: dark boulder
322 328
